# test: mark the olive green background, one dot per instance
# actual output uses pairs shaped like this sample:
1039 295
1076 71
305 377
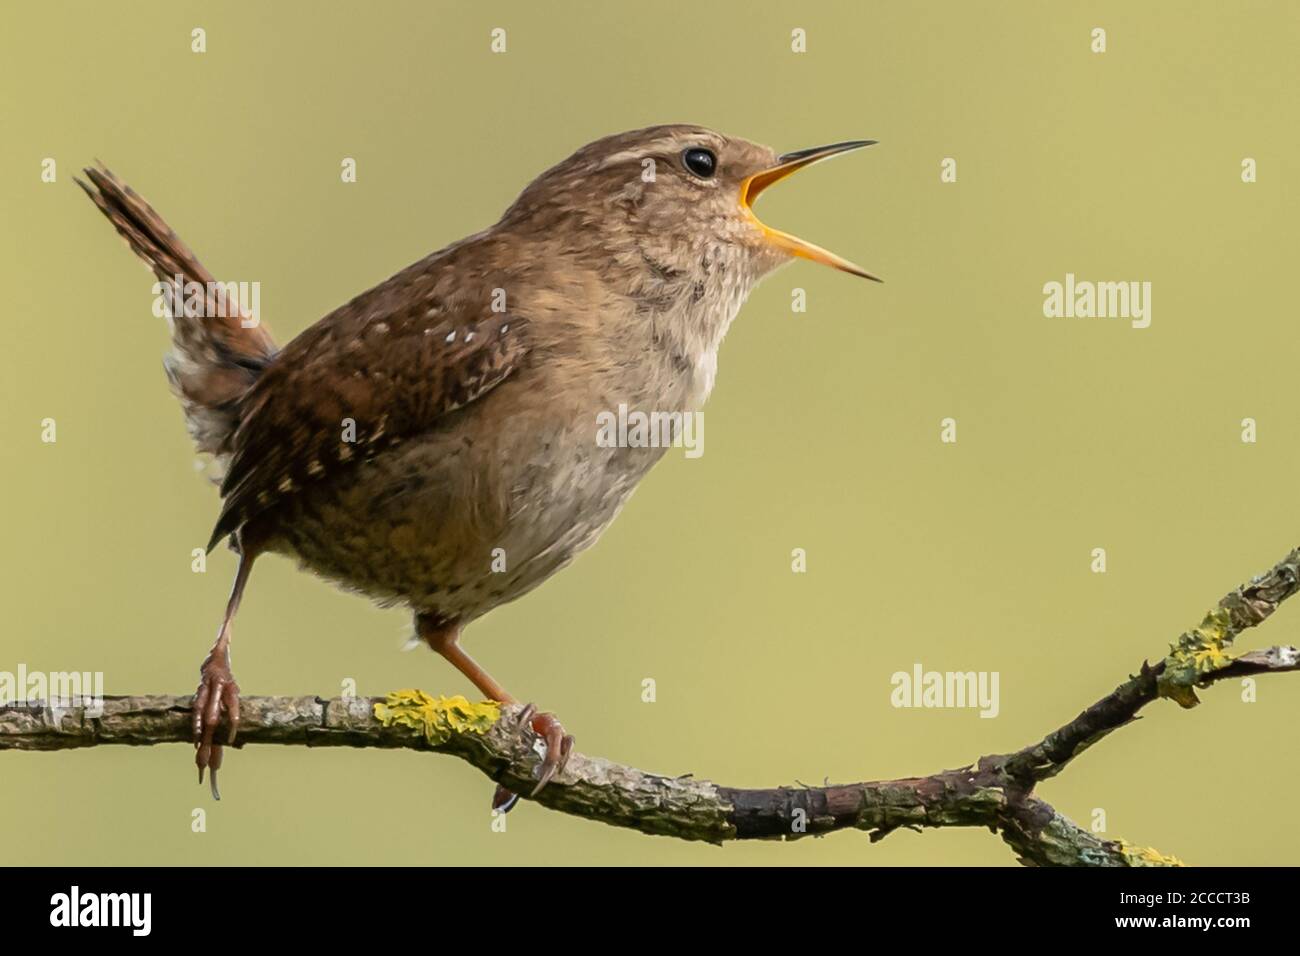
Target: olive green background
823 431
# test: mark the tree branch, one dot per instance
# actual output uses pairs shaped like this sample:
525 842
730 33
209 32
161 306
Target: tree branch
995 792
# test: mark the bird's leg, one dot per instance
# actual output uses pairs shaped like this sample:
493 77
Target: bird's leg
444 637
217 688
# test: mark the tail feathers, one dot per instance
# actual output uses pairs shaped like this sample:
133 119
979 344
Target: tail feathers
216 355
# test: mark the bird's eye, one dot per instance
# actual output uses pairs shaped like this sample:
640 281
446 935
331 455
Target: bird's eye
701 162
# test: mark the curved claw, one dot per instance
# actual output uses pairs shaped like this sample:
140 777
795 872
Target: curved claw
504 799
566 748
526 715
214 766
558 747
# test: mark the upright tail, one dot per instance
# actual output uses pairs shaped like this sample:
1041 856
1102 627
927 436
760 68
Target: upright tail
216 355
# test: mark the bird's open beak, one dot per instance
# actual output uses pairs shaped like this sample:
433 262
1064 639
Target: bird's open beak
785 165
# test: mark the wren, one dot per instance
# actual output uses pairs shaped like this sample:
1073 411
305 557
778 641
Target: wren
450 413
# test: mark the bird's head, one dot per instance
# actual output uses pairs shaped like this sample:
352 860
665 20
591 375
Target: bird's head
675 200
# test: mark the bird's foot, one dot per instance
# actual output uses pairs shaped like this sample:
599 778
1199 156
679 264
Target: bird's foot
558 747
217 692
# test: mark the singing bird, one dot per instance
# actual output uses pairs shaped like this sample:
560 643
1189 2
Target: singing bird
450 413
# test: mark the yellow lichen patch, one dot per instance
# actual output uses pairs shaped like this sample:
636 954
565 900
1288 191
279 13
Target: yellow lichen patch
1196 654
437 718
1145 856
1209 659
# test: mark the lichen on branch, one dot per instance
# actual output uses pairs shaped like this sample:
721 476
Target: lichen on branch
436 718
